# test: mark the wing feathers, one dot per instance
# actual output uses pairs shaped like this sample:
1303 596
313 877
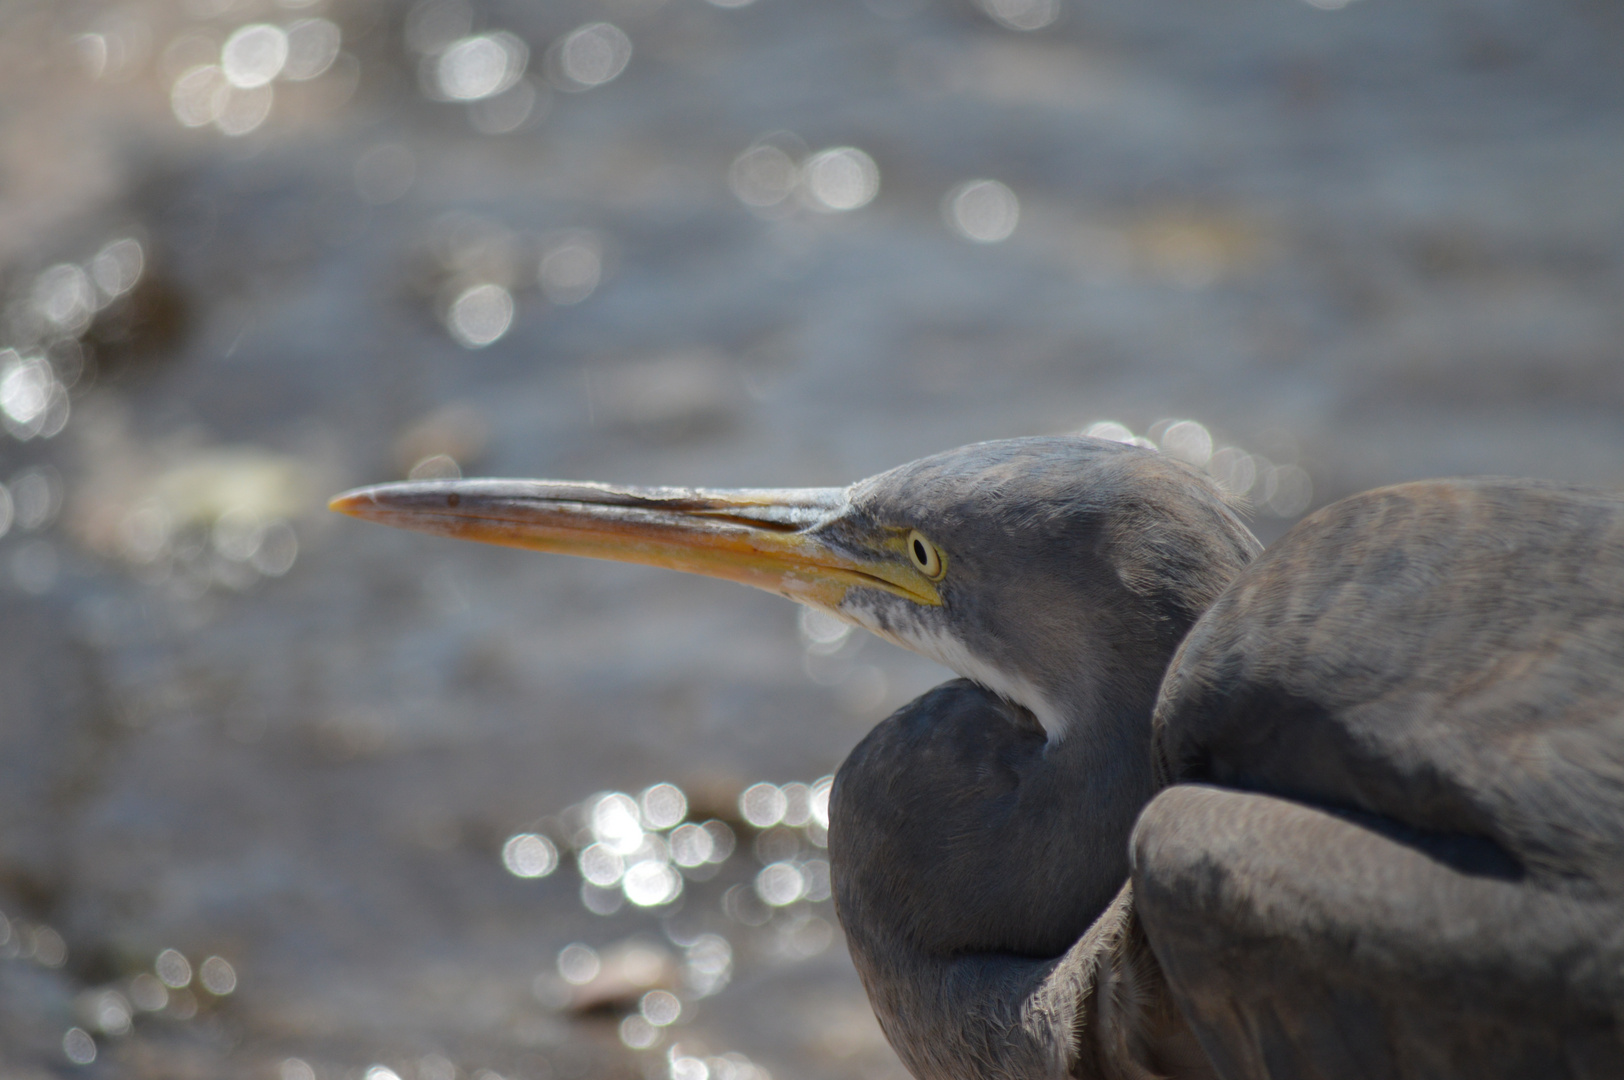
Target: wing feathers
1305 943
1414 703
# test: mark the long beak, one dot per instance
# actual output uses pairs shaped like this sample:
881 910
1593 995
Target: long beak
769 538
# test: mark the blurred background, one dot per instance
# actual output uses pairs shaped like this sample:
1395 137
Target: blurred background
292 797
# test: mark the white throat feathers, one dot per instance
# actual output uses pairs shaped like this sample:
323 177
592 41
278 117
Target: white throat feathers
935 644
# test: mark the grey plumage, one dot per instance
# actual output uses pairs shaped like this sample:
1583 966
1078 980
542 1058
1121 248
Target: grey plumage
1411 860
952 836
971 849
1376 806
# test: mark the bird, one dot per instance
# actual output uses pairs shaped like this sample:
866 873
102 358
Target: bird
1349 807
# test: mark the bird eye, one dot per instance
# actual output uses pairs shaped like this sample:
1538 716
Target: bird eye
924 555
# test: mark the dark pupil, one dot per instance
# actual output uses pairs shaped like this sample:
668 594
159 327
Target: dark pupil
919 553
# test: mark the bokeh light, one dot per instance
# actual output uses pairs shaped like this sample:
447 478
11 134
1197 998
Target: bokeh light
571 266
64 296
764 175
617 823
708 963
1234 468
78 1046
33 403
200 95
780 884
147 993
671 853
109 1011
763 805
688 1068
1287 490
217 976
984 211
600 865
840 179
295 1069
650 883
823 633
245 110
1118 432
274 548
1021 14
660 1007
312 47
37 942
1277 490
117 266
529 855
591 56
722 840
172 969
1110 429
480 315
435 467
1188 441
254 55
797 804
480 66
820 800
735 1066
636 1033
815 875
662 805
691 845
578 964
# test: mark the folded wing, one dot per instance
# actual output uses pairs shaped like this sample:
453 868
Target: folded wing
1394 840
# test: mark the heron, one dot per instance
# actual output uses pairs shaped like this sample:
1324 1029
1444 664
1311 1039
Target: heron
1349 807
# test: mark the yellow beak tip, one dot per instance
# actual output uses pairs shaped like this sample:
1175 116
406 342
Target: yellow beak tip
350 502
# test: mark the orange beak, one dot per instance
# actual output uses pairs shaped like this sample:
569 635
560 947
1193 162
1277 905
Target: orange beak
787 541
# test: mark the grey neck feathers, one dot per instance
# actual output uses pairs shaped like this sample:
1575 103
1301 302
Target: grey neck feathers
979 847
979 874
1100 1011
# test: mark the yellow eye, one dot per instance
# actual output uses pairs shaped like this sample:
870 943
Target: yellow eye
925 557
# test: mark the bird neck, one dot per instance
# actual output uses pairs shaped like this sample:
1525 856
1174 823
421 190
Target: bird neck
1097 774
1100 1010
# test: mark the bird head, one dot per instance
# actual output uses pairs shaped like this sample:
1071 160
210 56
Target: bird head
1043 569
